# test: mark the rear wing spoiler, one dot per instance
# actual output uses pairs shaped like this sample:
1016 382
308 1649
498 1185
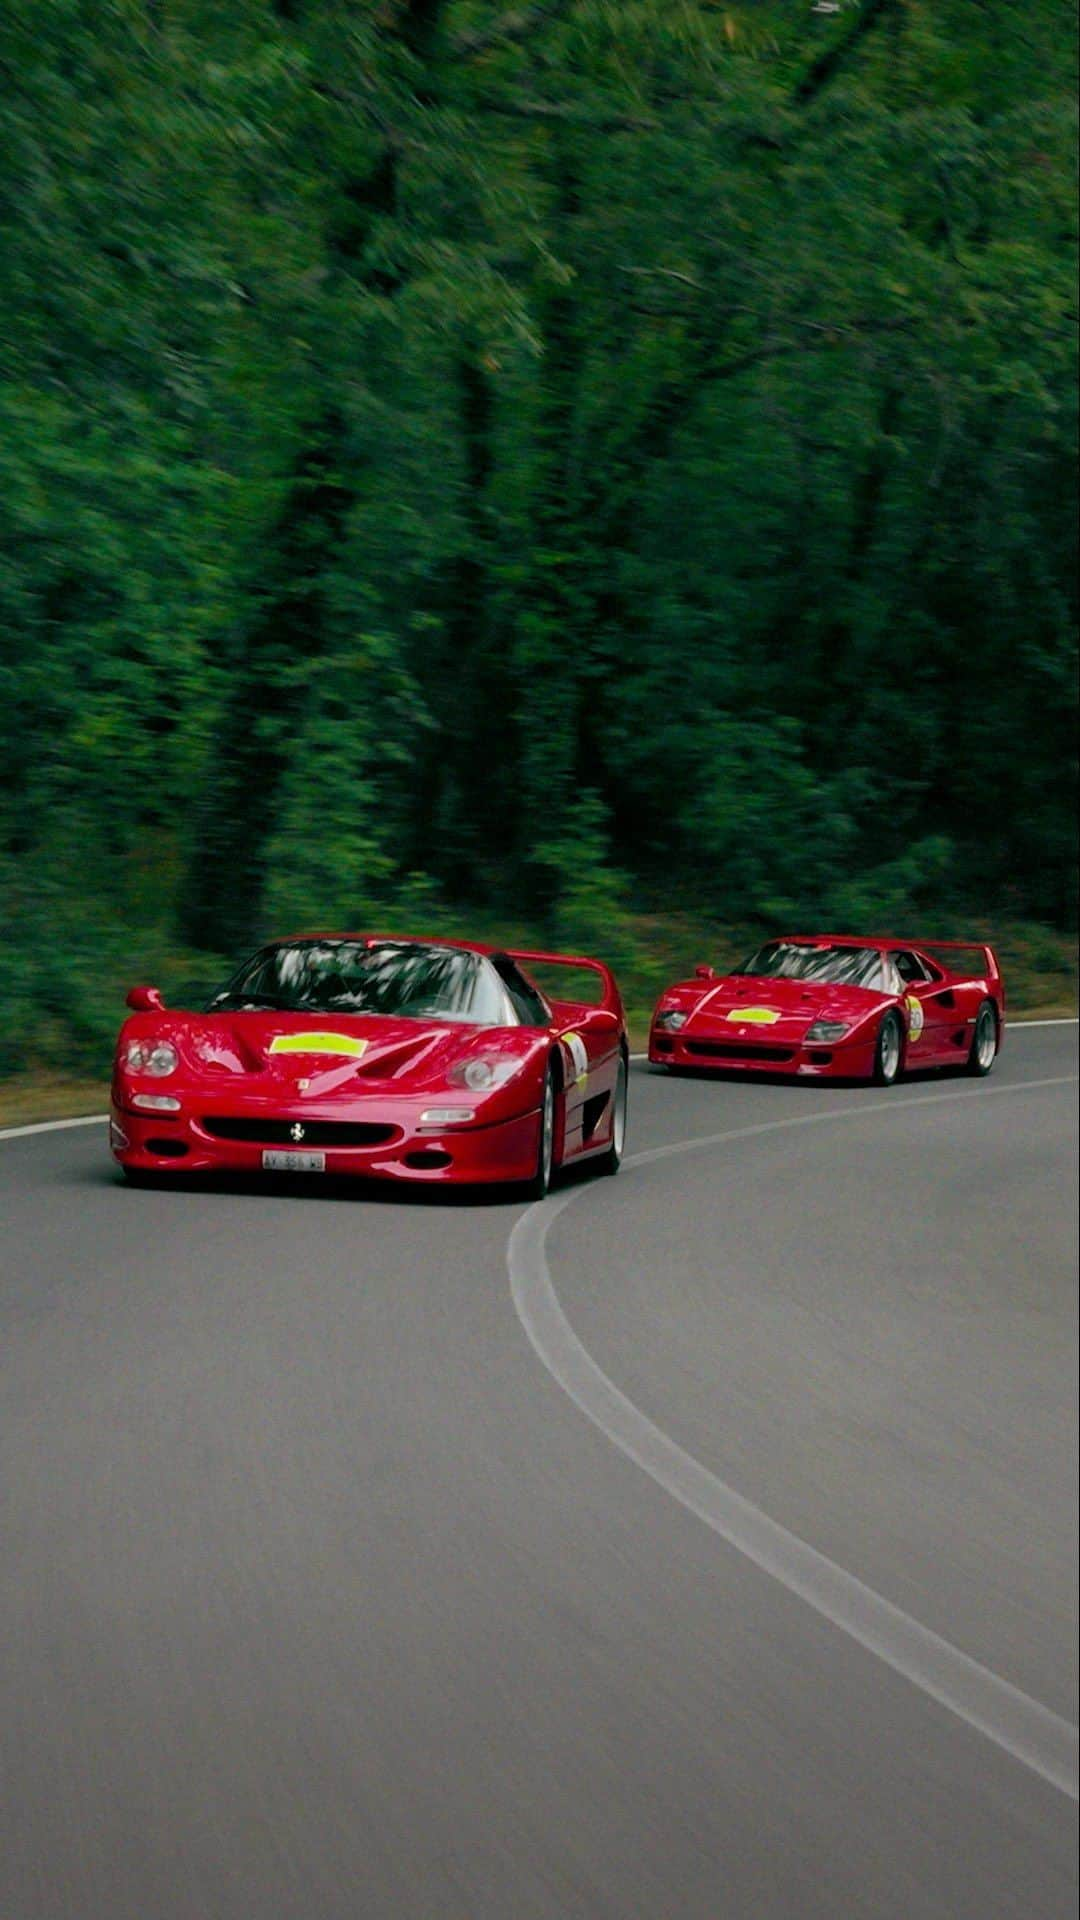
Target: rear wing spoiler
989 968
611 996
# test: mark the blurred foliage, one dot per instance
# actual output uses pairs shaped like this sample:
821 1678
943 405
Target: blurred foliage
597 457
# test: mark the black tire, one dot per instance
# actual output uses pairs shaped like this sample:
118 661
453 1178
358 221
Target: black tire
984 1041
889 1052
545 1145
611 1161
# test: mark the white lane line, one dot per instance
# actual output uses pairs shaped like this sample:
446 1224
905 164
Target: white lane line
1030 1732
53 1126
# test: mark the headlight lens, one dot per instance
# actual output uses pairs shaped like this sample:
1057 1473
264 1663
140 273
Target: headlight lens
482 1074
446 1116
827 1030
155 1057
156 1102
671 1019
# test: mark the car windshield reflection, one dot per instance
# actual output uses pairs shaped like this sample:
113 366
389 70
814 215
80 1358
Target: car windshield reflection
406 980
841 966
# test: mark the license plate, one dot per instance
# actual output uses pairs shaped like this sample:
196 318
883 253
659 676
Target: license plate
279 1162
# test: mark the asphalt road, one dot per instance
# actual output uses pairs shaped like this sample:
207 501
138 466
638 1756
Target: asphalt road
321 1598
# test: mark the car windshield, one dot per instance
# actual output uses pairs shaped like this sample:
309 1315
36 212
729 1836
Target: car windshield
408 980
843 966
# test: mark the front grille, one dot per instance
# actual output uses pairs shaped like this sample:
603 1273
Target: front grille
738 1050
316 1133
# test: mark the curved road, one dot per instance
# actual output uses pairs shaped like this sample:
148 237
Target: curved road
712 1556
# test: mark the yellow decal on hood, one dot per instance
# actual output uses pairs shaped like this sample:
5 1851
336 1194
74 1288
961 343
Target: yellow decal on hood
344 1043
754 1016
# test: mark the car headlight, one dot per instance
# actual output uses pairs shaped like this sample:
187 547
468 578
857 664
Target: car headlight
670 1019
446 1116
155 1057
482 1074
827 1030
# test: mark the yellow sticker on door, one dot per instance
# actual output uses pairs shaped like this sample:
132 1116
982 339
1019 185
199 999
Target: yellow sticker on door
579 1059
916 1016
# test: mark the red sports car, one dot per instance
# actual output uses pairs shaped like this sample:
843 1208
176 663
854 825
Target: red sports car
838 1007
367 1054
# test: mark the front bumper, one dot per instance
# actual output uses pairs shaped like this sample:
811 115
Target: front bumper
790 1056
184 1143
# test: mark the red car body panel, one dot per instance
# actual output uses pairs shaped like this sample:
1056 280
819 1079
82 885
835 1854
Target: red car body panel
744 1023
246 1082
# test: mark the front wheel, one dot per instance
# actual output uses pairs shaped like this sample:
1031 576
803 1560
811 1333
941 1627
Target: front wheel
889 1050
984 1040
545 1146
611 1161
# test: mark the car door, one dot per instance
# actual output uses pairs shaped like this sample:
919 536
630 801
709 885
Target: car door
931 1004
589 1042
588 1037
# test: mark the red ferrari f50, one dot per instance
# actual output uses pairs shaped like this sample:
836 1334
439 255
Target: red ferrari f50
423 1060
829 1005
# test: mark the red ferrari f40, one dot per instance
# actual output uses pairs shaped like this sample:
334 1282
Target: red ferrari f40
838 1007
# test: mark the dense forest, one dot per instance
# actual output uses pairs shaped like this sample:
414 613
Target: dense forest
535 462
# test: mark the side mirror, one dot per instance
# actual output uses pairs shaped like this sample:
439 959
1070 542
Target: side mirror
145 1000
601 1020
704 972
